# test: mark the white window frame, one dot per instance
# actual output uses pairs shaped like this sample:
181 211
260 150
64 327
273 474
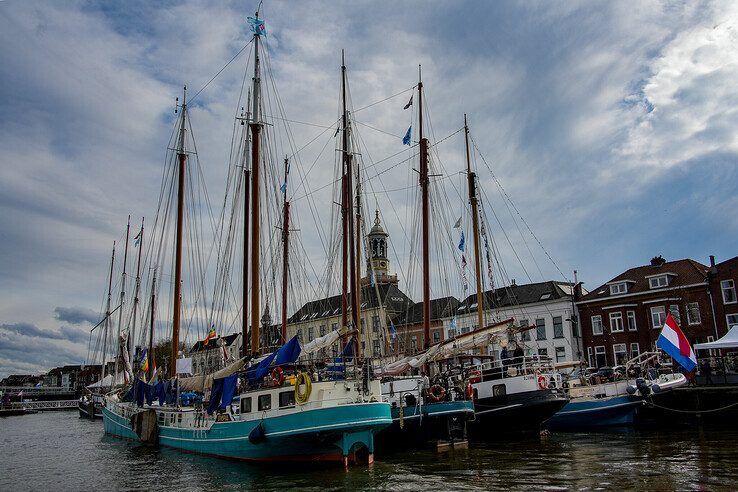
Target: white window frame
600 352
598 319
615 353
727 320
690 320
590 356
619 288
662 311
631 315
728 286
637 349
616 318
676 313
656 282
562 351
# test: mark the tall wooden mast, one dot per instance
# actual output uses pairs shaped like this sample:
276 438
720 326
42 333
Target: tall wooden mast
150 353
475 229
182 156
285 250
348 198
118 348
425 234
107 314
255 125
245 290
132 335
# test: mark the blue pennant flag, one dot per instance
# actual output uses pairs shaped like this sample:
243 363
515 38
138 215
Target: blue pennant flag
461 242
284 187
406 138
394 330
257 26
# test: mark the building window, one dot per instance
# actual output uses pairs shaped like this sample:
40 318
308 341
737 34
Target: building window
322 330
525 336
451 332
540 329
616 322
376 348
728 287
436 337
299 335
674 310
635 350
632 321
589 357
543 352
334 326
620 288
732 320
658 316
600 356
620 354
560 354
311 334
660 281
375 324
361 326
597 325
693 313
414 343
558 327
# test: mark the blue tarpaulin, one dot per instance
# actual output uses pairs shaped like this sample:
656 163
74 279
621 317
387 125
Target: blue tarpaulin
257 373
229 389
215 394
289 352
143 391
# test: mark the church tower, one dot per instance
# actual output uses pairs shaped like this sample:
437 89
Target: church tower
378 263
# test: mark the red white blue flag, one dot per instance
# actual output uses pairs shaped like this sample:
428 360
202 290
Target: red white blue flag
673 342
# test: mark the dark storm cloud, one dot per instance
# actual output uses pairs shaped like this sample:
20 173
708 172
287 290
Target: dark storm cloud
76 315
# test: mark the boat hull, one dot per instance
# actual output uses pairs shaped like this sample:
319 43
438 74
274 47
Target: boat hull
313 435
423 425
514 413
592 413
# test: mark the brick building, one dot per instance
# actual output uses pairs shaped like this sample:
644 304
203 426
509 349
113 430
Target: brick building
723 278
410 338
624 317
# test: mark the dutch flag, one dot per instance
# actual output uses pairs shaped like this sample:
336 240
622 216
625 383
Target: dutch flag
673 342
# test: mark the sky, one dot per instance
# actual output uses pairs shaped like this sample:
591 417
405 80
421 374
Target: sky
609 124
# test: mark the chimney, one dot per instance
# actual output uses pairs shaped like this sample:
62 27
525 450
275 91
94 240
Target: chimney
657 261
712 260
512 282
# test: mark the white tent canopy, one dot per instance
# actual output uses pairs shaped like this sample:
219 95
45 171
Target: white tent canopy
106 382
730 340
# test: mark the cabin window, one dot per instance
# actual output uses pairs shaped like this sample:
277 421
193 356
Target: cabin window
616 322
498 390
245 404
632 321
540 329
658 316
693 313
597 325
286 399
728 288
660 281
620 288
265 402
558 327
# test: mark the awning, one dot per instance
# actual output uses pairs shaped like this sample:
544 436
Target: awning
730 340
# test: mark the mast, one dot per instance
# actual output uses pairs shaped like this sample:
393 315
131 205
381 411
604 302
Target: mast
150 353
255 126
348 197
122 300
475 229
182 155
245 291
425 240
359 237
285 251
132 336
107 314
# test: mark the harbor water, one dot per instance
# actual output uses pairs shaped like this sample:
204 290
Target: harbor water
59 451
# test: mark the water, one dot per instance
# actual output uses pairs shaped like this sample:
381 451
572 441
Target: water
59 451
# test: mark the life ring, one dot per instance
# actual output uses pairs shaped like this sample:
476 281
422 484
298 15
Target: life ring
475 377
436 393
542 382
277 376
300 397
469 391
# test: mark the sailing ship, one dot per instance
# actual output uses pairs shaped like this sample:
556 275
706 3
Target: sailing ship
263 407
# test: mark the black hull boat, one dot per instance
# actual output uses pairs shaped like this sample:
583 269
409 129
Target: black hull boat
90 407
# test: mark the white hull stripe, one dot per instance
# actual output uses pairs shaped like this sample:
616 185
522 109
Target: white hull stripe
597 409
501 408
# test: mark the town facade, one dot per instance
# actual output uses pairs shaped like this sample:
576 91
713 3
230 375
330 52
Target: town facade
623 317
723 278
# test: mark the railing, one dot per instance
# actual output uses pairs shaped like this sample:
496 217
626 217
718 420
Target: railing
37 390
513 367
44 405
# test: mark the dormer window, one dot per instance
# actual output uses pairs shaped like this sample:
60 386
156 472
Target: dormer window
659 281
619 288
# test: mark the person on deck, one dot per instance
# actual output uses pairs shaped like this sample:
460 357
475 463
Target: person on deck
505 357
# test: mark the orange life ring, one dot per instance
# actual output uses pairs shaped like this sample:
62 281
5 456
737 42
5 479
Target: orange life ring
475 377
542 382
469 391
436 393
277 376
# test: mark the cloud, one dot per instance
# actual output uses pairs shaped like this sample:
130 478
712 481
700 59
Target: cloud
76 315
30 330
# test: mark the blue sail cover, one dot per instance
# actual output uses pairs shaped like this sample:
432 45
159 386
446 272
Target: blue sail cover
229 389
215 394
289 352
256 373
